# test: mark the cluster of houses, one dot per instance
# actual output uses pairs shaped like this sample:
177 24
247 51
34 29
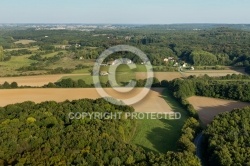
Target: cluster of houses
65 47
183 65
115 62
118 62
104 73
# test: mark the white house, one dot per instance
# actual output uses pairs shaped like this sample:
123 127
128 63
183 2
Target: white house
129 62
184 65
165 60
176 64
104 73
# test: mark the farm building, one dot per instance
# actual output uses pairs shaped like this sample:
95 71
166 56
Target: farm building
104 73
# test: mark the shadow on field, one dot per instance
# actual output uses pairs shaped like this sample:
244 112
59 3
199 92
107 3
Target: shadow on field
165 139
161 135
207 113
238 69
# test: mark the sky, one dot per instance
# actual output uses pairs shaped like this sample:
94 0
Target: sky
125 11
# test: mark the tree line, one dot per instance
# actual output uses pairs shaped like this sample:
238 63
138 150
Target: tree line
236 87
227 138
7 85
80 83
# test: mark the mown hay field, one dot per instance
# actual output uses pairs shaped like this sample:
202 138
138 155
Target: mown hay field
208 107
153 102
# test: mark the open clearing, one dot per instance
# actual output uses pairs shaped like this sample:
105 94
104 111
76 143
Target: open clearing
160 135
39 80
160 75
151 103
121 78
173 75
208 108
11 66
24 41
33 48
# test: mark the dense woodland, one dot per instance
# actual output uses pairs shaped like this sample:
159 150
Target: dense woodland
43 134
228 138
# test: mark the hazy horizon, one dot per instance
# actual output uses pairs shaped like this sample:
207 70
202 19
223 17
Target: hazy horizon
61 23
125 12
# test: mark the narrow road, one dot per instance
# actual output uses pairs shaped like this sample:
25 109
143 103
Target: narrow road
198 144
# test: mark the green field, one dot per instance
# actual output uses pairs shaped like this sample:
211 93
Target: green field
49 55
24 41
11 67
126 68
160 135
122 73
16 62
34 48
121 77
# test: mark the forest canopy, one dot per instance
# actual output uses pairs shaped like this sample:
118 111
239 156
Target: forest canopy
43 134
203 58
228 138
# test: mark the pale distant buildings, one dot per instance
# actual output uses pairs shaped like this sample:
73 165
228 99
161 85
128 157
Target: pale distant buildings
176 64
63 46
169 59
165 60
77 45
127 37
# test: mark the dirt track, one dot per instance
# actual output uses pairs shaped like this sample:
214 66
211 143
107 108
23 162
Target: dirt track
151 103
208 108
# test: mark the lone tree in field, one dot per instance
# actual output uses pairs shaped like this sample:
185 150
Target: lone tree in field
1 54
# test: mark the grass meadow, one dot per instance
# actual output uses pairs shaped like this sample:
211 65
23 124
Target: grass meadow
121 78
160 135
